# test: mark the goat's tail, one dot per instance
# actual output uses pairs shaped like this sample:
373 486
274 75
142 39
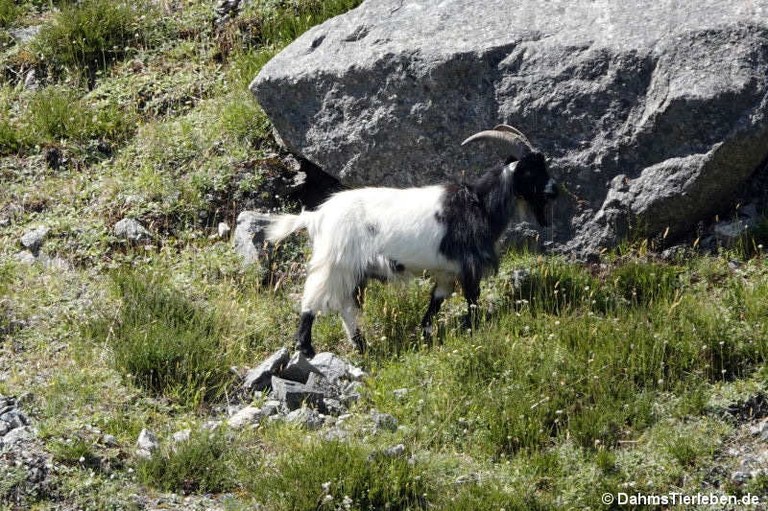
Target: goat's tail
284 225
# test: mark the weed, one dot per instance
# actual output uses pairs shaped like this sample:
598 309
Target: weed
92 34
201 464
163 342
326 474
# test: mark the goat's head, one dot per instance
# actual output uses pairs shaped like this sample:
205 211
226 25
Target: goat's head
530 179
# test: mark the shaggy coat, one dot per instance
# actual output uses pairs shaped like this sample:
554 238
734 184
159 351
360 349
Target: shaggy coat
449 231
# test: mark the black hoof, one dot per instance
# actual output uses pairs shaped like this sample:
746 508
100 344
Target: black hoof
306 349
359 341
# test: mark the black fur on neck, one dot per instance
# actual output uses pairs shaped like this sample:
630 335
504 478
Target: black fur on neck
476 213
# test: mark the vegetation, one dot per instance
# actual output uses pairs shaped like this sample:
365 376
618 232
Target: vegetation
637 375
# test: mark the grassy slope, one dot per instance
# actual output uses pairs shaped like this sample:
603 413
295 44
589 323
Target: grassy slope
584 381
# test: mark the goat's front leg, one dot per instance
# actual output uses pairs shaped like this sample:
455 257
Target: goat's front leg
443 288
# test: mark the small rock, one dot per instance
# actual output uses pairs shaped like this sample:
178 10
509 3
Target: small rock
293 394
472 478
250 234
25 257
110 441
260 377
740 477
384 421
33 240
131 229
181 436
146 444
17 435
331 366
270 408
400 393
298 368
306 417
248 415
14 419
395 451
728 233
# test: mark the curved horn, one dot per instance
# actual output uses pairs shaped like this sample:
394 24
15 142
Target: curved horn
513 137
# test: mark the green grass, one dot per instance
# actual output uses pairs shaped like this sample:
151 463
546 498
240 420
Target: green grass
202 464
578 380
92 34
166 344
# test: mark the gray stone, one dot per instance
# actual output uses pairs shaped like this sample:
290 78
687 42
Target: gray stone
728 233
331 366
671 97
293 394
14 419
25 34
395 451
17 436
306 417
249 237
181 436
146 444
248 415
270 408
33 240
131 229
384 421
298 368
260 377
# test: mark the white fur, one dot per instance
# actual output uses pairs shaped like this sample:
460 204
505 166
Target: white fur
358 232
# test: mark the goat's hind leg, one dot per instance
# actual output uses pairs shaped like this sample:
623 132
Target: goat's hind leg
304 334
350 315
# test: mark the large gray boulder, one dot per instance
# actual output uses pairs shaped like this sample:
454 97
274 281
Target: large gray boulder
653 113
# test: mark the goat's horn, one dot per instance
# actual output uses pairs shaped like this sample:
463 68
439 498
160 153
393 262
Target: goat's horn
513 137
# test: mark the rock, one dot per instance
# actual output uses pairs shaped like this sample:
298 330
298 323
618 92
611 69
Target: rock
226 10
293 394
331 366
400 394
147 444
33 240
306 417
260 377
17 436
270 408
25 34
672 101
298 368
25 257
395 451
248 415
728 233
131 229
384 421
110 441
740 477
250 235
181 436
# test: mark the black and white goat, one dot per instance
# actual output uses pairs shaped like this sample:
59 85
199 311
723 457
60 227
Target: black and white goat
448 230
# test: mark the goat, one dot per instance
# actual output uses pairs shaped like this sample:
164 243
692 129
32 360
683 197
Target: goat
448 230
